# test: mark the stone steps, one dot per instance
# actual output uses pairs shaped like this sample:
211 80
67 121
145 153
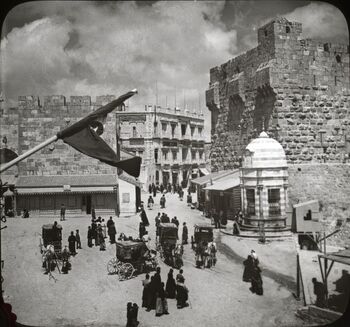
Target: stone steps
253 234
266 229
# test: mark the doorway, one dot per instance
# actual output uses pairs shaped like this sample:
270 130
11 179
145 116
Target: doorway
88 204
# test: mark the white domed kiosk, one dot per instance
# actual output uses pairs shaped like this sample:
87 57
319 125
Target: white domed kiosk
264 184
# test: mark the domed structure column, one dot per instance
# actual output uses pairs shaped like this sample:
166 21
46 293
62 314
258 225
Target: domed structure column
264 182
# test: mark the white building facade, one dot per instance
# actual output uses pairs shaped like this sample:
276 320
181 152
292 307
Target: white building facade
169 141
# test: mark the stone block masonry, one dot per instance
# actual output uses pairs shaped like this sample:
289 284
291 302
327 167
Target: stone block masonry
329 183
297 90
32 123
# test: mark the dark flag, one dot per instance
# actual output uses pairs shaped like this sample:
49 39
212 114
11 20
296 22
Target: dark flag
83 138
6 155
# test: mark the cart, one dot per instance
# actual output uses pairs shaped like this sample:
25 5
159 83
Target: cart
51 236
203 233
132 257
168 250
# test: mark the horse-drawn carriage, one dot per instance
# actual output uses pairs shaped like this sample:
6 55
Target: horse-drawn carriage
51 235
203 233
51 248
131 257
202 242
169 251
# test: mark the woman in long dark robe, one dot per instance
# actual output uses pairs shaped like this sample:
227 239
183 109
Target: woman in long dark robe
161 301
170 289
248 268
144 217
151 295
146 283
256 281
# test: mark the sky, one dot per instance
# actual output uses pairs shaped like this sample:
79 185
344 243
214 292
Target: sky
164 49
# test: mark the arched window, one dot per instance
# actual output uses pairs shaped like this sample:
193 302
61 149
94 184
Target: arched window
287 29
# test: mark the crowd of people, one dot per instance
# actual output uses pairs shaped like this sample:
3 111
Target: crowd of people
155 292
96 234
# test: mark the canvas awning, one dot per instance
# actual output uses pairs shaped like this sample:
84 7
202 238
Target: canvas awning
204 171
225 183
35 184
62 190
211 177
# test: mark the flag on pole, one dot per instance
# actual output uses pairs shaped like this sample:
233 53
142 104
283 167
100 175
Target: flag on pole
83 138
6 155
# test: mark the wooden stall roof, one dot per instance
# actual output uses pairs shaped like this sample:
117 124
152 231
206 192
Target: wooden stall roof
342 256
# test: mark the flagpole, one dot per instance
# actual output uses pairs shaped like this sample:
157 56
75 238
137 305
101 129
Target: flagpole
28 153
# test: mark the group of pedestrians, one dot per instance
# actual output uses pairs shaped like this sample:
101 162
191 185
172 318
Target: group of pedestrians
155 295
252 273
97 233
74 242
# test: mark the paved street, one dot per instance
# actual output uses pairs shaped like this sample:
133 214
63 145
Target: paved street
89 296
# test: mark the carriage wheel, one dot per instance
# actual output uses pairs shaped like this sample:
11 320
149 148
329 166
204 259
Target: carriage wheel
126 271
113 266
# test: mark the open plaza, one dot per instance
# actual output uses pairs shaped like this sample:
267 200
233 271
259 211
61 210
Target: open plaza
89 296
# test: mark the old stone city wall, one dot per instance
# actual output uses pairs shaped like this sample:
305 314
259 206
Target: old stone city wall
298 90
32 123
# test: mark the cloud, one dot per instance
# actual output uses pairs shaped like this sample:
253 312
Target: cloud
321 21
115 47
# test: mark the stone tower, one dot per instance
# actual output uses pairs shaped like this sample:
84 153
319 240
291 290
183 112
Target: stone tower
298 89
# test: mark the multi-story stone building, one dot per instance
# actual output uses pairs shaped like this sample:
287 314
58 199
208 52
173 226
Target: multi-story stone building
170 142
298 90
58 174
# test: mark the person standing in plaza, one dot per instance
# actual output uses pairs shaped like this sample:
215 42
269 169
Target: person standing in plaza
181 295
248 268
150 202
94 230
256 280
144 218
63 212
77 237
98 234
142 230
145 294
89 237
161 301
162 201
101 239
112 231
320 292
170 288
93 213
184 234
71 243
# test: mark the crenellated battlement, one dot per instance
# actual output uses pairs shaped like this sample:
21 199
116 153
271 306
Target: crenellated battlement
33 101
